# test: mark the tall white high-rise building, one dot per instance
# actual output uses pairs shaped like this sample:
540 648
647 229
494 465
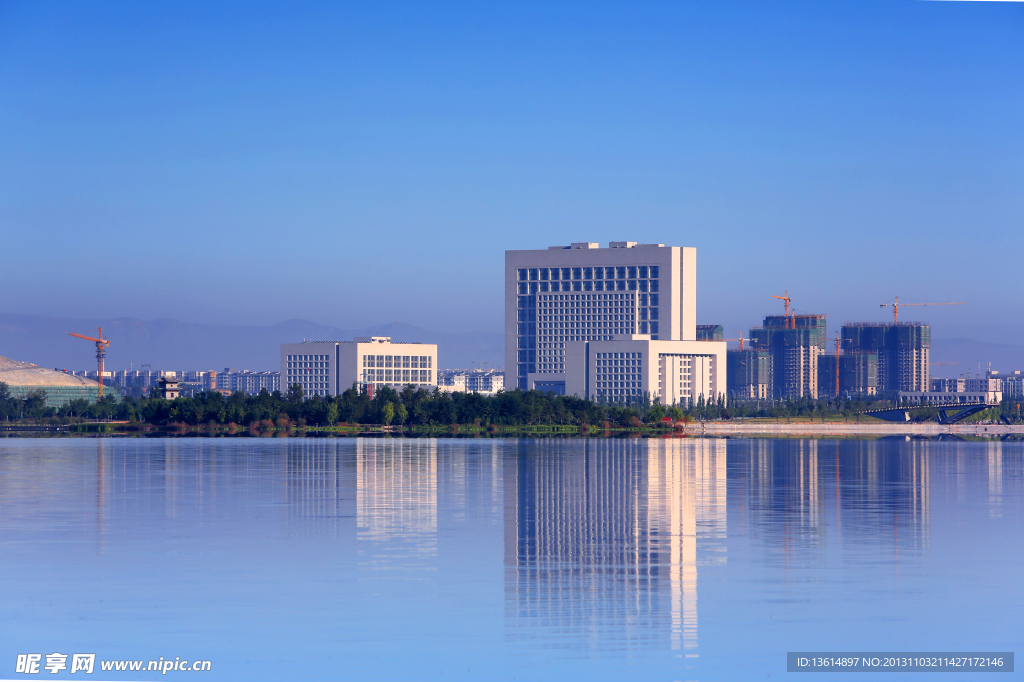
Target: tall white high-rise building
562 302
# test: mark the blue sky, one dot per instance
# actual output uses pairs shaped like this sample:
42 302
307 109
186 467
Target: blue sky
356 164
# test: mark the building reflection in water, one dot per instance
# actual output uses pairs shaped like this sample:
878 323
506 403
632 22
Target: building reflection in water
791 494
995 478
602 538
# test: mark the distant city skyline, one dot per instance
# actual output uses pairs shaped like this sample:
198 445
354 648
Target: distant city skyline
355 165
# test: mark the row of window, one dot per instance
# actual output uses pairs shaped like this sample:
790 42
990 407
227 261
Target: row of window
416 376
619 285
604 314
616 394
618 384
304 364
309 358
301 373
619 272
397 361
587 300
620 326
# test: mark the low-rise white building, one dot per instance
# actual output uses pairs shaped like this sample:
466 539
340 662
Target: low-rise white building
949 398
485 382
970 390
331 367
628 367
1013 383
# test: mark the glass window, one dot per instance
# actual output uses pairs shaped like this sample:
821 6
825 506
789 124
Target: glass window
643 313
620 285
565 273
643 285
588 273
632 272
654 272
643 299
620 273
654 313
543 286
577 286
543 273
632 285
522 274
643 272
533 273
577 273
598 286
598 273
522 288
533 287
554 273
654 299
654 327
654 285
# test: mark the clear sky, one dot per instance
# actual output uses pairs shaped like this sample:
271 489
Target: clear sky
354 164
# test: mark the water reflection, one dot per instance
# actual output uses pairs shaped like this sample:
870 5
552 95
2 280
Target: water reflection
601 538
627 556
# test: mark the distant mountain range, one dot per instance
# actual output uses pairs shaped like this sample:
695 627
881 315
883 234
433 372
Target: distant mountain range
170 344
968 355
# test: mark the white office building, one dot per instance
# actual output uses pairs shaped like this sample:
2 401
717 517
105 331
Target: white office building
564 305
331 367
632 366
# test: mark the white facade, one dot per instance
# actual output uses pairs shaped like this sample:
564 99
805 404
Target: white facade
583 293
485 382
331 367
626 368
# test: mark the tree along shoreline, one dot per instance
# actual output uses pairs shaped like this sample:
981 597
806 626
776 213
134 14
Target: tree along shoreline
416 407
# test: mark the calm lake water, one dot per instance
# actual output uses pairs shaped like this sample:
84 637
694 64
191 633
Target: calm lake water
574 559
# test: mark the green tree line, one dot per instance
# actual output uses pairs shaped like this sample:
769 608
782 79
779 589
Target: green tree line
417 406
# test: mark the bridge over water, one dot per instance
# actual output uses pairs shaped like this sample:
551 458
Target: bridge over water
949 413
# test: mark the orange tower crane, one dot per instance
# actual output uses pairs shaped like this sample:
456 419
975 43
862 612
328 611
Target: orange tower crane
787 300
741 339
101 353
896 306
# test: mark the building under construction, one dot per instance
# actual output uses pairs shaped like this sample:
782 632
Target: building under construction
793 344
896 354
749 373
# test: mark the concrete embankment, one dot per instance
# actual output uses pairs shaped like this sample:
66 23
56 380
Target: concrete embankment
794 428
